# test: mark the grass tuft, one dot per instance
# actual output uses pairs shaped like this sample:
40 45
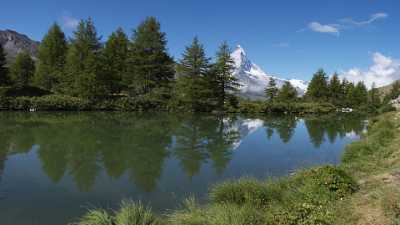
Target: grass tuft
96 217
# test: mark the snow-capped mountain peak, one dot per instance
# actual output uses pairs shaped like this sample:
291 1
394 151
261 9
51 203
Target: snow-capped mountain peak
240 58
253 79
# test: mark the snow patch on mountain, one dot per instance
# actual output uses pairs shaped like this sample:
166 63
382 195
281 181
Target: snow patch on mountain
254 80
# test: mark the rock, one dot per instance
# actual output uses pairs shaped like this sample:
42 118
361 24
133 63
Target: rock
14 43
396 103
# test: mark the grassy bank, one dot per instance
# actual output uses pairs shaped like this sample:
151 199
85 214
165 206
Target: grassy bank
364 189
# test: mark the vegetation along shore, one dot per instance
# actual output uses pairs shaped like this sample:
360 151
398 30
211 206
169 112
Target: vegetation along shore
138 74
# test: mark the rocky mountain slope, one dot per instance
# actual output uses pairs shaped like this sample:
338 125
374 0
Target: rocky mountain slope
14 43
254 80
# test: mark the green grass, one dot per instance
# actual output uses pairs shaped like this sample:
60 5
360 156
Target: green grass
130 213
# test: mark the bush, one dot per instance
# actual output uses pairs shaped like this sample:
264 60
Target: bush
329 180
45 103
247 106
299 107
27 91
242 191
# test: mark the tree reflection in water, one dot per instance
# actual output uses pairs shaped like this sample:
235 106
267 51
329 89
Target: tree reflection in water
82 145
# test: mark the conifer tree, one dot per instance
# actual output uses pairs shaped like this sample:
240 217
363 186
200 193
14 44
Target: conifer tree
271 91
4 79
150 64
374 100
193 86
51 58
318 88
83 75
22 70
115 56
222 75
349 93
287 93
359 96
336 91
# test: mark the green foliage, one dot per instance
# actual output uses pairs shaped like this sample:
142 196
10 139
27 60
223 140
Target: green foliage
271 91
374 99
130 213
318 88
336 91
51 58
247 106
193 84
150 64
221 214
83 75
96 217
287 93
115 60
222 75
45 103
240 192
394 92
28 91
334 181
299 107
367 154
4 79
135 213
22 70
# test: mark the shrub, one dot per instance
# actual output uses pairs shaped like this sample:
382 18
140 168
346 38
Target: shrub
240 192
327 180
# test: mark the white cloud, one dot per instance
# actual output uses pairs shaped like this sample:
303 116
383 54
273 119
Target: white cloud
372 18
345 23
321 28
384 71
69 22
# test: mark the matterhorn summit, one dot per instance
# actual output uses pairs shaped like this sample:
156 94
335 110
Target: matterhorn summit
254 80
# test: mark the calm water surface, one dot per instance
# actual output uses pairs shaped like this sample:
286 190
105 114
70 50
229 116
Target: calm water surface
53 166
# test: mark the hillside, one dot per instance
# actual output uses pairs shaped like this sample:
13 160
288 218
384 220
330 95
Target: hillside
14 43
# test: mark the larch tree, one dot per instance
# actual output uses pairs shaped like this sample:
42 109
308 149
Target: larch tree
222 75
287 93
51 59
83 75
151 67
115 64
271 91
318 88
193 86
22 70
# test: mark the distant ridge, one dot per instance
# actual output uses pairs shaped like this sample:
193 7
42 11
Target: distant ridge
14 43
254 80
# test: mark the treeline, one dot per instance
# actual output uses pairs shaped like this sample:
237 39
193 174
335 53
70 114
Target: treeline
138 73
137 69
339 93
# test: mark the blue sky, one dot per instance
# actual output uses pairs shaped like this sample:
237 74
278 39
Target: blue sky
287 38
